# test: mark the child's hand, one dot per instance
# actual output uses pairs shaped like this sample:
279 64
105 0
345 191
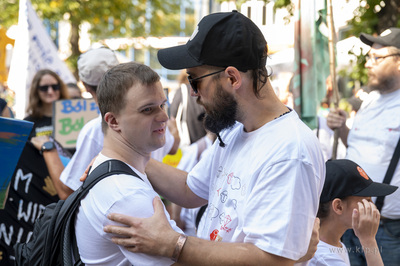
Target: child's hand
366 222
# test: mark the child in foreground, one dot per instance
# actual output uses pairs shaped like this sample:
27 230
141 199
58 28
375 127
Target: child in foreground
346 203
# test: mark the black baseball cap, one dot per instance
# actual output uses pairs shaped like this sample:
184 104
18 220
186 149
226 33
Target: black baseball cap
390 37
221 39
346 178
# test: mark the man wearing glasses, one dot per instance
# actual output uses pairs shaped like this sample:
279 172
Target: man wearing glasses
373 137
261 179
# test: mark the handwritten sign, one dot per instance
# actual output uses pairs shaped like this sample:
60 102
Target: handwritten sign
30 190
13 136
69 118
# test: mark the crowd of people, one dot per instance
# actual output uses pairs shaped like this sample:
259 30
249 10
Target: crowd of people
254 185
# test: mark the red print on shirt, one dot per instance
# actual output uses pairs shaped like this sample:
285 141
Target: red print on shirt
214 235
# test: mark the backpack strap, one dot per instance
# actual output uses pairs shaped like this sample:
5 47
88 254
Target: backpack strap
200 214
107 168
389 174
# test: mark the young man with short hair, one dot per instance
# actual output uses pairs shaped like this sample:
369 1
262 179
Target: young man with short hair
132 105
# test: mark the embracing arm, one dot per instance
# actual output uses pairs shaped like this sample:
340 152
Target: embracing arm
195 251
171 183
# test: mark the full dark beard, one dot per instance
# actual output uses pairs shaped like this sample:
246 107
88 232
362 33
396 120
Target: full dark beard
223 113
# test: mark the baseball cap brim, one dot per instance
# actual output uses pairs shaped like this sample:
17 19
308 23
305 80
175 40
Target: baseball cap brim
370 40
176 57
376 189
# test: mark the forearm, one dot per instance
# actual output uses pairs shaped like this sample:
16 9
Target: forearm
202 252
372 254
171 183
55 167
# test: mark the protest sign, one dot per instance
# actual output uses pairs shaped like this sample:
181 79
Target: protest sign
70 116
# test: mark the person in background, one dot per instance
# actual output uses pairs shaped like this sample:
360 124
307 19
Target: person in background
47 87
188 114
31 186
346 203
74 91
373 137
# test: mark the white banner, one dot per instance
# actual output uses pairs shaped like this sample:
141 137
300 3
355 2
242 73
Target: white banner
33 50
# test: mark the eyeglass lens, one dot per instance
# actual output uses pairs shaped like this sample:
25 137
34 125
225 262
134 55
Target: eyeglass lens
55 87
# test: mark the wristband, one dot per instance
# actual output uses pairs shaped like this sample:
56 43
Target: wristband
178 247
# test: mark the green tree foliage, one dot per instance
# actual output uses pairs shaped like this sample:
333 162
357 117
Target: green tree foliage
108 18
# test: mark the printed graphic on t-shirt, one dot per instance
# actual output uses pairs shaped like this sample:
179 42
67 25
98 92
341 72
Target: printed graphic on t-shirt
222 211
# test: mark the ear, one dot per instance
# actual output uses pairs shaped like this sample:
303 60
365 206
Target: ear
235 78
112 121
337 206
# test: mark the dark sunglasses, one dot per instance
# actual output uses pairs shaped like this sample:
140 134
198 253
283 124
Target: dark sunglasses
194 81
45 88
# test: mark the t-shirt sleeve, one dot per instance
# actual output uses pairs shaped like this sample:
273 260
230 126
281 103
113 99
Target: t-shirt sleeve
198 179
129 205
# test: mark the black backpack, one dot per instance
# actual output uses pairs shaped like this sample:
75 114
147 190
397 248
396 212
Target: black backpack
53 239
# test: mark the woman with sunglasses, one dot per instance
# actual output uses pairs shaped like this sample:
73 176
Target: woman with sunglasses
46 88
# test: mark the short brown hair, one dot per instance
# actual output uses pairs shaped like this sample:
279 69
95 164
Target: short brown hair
115 83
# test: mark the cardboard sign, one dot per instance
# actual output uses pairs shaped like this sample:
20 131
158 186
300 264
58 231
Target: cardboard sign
70 116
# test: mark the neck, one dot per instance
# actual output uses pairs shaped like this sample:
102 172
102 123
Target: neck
260 111
48 109
331 231
115 147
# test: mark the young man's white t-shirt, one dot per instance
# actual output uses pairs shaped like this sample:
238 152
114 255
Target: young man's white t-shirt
124 194
263 187
328 255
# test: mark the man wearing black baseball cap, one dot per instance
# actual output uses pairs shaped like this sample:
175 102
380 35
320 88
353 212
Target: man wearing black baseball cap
262 178
346 203
373 137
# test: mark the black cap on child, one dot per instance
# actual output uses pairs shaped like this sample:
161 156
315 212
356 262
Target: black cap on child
346 178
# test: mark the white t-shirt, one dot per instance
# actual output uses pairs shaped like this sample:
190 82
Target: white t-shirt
89 144
328 255
263 187
124 194
372 140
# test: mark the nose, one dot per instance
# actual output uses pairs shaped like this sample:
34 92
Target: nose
368 63
162 116
192 93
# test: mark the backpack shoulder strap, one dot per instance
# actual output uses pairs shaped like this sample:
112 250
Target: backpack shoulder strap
102 171
105 169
